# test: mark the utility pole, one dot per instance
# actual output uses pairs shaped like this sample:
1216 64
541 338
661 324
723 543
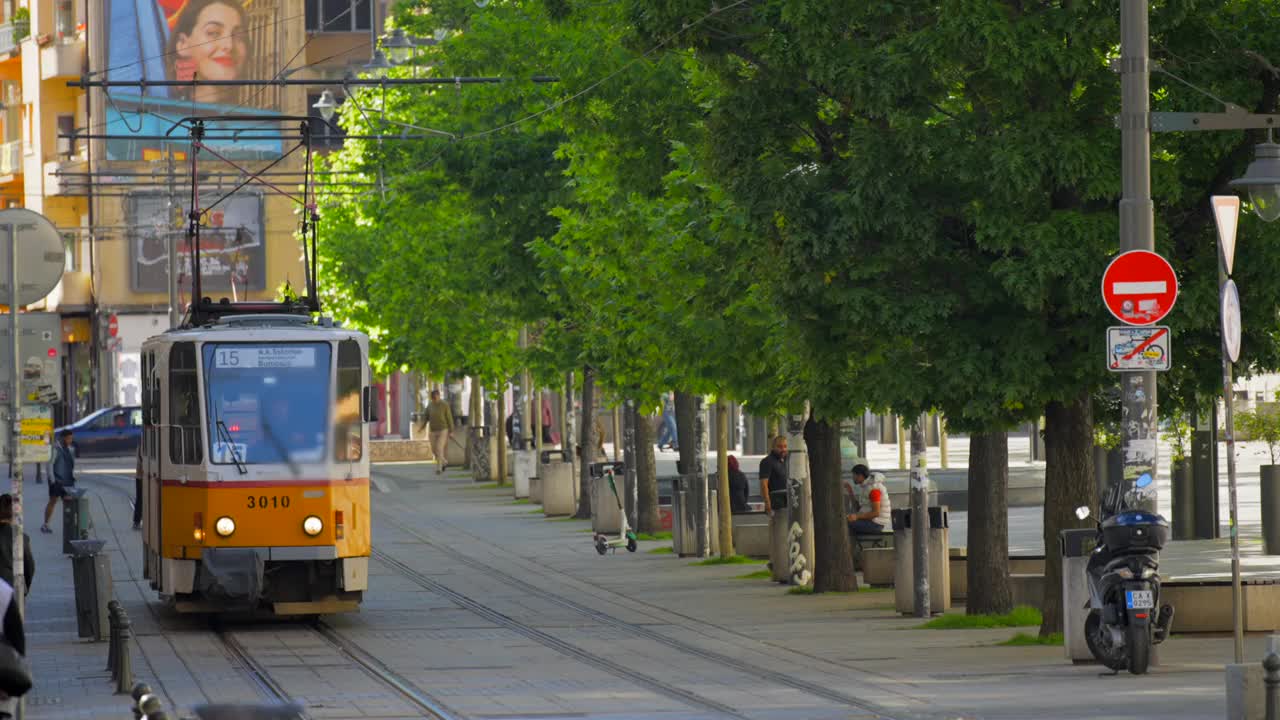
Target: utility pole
920 516
1138 420
171 235
702 497
799 502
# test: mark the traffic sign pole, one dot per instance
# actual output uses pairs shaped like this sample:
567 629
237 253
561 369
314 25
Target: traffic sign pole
1226 214
1139 288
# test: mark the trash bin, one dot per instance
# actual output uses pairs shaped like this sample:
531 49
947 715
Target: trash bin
523 469
91 574
939 561
76 520
559 491
606 516
1076 546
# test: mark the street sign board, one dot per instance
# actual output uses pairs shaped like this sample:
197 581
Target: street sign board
1139 287
1132 349
1231 320
41 256
1226 214
113 326
36 433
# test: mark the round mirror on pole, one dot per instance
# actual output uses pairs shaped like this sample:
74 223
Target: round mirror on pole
1262 180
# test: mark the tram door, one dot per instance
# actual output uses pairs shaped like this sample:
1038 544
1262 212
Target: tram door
151 420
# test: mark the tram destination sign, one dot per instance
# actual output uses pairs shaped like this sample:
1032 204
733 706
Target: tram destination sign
265 358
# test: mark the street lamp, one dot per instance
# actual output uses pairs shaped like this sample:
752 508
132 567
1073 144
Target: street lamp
326 105
398 46
378 65
1262 179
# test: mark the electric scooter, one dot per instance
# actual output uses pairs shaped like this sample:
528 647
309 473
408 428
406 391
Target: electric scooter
626 538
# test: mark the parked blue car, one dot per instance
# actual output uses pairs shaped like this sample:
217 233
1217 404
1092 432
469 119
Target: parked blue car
110 431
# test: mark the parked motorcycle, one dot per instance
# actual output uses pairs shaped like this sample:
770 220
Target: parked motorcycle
1124 581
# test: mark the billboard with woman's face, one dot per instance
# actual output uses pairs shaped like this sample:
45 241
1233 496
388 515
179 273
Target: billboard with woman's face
219 40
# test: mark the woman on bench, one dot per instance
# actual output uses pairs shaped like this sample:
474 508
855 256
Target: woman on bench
870 514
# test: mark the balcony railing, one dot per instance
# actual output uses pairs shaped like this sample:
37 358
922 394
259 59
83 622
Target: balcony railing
11 158
11 34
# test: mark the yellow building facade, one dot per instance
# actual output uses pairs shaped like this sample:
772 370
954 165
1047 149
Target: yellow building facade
99 163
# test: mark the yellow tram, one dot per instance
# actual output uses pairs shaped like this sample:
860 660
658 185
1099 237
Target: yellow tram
255 462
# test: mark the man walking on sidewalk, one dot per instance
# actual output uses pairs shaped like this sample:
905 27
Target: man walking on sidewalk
64 476
440 418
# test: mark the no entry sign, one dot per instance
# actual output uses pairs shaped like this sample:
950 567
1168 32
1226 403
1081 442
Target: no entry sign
1139 287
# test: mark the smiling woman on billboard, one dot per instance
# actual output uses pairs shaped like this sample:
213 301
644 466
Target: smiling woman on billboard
209 42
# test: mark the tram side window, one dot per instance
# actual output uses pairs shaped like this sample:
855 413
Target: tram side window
184 406
348 431
153 423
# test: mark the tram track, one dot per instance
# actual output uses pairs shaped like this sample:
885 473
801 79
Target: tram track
271 689
633 629
546 639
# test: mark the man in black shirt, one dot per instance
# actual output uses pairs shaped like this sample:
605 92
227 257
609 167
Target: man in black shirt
773 476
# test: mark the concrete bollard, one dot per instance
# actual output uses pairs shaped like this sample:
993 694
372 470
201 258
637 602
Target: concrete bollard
113 642
124 666
140 691
149 705
1271 680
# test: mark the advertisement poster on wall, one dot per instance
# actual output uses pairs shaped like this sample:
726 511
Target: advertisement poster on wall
224 40
232 244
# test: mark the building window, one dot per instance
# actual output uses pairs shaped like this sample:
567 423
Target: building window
338 15
66 143
325 135
64 19
70 260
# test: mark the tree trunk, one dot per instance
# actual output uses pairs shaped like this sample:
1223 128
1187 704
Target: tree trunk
568 439
699 481
722 469
646 474
627 441
988 561
587 448
685 434
833 559
1068 484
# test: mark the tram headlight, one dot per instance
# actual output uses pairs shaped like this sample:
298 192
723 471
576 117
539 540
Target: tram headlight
312 525
225 526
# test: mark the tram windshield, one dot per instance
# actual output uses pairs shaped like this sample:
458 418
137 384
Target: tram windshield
267 402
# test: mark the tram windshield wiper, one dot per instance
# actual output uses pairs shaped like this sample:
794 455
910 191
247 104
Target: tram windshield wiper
225 436
279 446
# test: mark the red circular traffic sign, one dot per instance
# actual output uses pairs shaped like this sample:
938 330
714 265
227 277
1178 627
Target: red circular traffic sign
113 326
1139 287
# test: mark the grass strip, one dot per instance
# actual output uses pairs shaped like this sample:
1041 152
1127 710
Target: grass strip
1021 616
665 550
731 560
654 536
1026 640
481 486
757 575
520 501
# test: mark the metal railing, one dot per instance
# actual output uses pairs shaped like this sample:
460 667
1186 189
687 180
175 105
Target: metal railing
11 35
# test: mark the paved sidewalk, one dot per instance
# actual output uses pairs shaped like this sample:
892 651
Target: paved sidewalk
852 642
70 673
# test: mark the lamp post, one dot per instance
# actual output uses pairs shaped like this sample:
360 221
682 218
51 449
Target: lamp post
1262 180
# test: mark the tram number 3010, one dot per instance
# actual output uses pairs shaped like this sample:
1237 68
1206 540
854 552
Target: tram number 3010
263 502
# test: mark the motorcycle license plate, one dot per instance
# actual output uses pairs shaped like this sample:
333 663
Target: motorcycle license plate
1139 599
